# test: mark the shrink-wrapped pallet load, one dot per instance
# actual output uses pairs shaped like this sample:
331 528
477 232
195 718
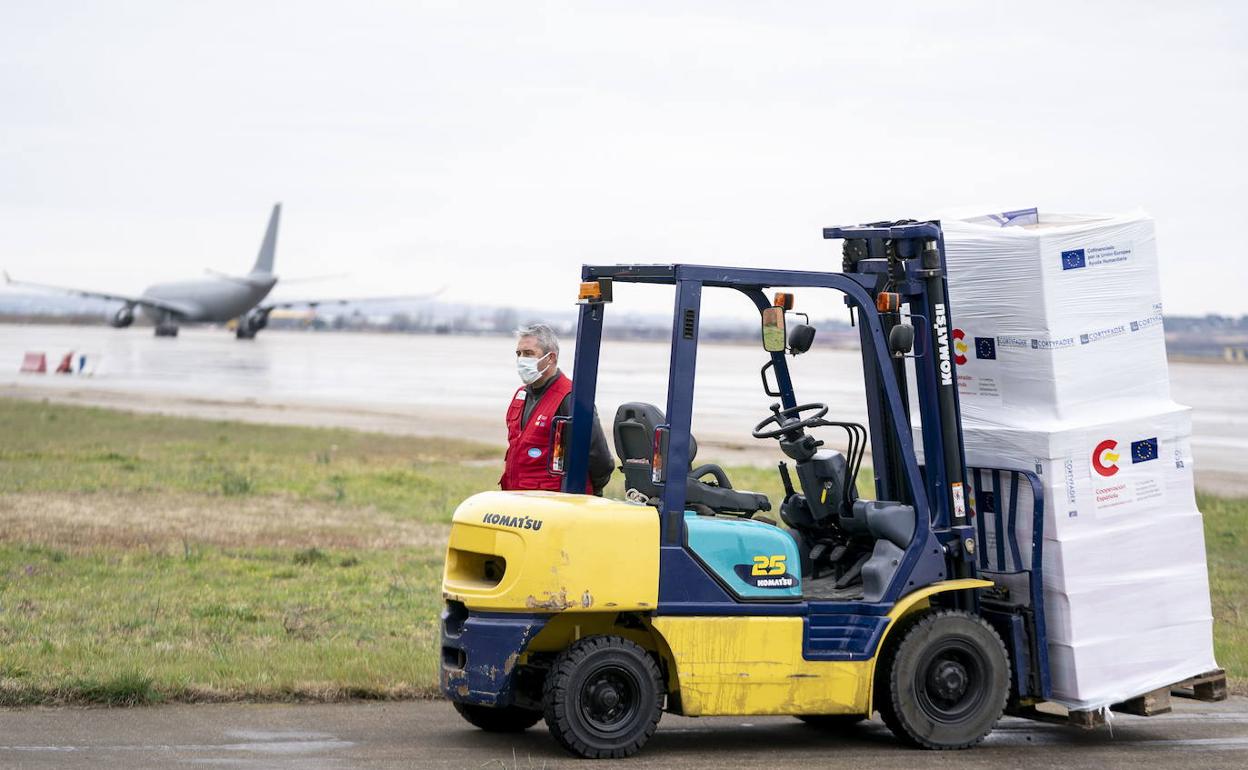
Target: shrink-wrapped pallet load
1062 372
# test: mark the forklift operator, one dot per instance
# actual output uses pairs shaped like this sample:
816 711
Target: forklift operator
545 395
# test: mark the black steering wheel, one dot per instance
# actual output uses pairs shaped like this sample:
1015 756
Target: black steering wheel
789 420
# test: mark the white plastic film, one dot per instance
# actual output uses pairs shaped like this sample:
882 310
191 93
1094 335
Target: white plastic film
1062 372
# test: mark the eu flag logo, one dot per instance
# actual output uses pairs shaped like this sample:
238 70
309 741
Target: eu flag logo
985 347
1073 259
1144 450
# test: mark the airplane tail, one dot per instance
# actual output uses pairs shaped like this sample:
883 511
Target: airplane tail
264 260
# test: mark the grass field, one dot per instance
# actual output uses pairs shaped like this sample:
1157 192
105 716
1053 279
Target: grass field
148 558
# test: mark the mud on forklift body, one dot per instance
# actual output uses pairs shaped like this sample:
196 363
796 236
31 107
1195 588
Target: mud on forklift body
597 615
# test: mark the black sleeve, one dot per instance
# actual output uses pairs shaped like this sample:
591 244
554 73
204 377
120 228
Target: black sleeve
601 461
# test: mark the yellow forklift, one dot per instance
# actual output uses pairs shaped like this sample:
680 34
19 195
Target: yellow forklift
598 615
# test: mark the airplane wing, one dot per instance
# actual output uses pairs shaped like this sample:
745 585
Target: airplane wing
313 303
158 304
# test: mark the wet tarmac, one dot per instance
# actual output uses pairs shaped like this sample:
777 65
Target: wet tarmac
430 734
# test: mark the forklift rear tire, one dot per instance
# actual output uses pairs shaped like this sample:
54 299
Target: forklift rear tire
603 698
507 719
947 681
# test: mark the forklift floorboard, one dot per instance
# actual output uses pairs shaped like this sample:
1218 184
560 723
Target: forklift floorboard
825 588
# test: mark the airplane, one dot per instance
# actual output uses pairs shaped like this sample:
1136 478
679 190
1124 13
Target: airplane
217 299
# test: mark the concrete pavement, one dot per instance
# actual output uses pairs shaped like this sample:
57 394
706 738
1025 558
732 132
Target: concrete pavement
430 734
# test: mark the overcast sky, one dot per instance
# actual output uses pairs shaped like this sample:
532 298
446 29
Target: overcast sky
493 147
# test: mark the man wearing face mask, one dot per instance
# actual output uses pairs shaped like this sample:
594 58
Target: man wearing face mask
545 395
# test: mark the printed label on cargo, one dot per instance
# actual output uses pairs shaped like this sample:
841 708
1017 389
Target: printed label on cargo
1072 491
984 388
1109 496
1122 472
1095 256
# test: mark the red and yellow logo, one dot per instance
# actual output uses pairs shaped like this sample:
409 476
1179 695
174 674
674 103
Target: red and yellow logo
1104 458
959 347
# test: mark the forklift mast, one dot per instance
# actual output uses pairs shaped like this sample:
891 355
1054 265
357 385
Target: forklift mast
908 259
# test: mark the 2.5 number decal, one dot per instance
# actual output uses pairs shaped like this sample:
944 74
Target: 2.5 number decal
768 565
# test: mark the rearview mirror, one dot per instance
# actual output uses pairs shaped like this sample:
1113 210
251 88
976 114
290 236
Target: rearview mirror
773 330
801 338
901 340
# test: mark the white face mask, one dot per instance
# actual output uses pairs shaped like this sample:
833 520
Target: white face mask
528 369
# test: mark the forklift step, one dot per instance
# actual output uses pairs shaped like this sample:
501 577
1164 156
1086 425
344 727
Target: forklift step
1210 686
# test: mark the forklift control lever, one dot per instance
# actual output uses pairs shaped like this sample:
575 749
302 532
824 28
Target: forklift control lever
785 479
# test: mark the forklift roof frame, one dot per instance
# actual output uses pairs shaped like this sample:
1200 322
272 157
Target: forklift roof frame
887 404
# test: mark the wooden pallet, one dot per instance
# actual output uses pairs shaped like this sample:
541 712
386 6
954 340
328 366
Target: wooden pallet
1210 686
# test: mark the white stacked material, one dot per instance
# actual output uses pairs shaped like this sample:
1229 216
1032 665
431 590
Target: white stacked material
1062 372
1055 318
1126 587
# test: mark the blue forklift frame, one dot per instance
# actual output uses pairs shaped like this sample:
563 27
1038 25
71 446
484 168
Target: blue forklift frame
913 268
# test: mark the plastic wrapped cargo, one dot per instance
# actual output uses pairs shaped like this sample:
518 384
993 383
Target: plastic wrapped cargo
1062 372
1055 314
1126 586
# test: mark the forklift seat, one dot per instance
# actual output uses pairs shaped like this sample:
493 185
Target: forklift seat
635 424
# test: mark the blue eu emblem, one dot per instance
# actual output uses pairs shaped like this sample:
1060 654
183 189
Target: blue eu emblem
1144 450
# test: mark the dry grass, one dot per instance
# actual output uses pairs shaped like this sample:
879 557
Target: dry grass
80 522
147 558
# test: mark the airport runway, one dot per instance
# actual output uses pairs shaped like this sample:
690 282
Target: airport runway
459 386
430 734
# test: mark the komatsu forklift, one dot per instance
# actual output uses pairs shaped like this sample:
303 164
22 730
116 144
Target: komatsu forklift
598 615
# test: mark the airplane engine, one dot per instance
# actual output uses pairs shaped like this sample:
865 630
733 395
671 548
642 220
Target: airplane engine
122 318
256 320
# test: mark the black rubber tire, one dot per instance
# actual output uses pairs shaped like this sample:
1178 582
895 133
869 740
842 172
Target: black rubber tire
832 721
959 712
603 698
508 719
883 700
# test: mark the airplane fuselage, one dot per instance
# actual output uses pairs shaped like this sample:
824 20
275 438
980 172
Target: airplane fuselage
212 300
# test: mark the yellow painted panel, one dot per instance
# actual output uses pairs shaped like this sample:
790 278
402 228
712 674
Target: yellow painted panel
549 551
754 665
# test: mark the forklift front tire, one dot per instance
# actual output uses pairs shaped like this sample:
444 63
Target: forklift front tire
507 719
948 680
603 698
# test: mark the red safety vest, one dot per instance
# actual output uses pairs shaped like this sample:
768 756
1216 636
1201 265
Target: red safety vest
528 463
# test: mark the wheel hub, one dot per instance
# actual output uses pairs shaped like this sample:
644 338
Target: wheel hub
607 699
948 680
